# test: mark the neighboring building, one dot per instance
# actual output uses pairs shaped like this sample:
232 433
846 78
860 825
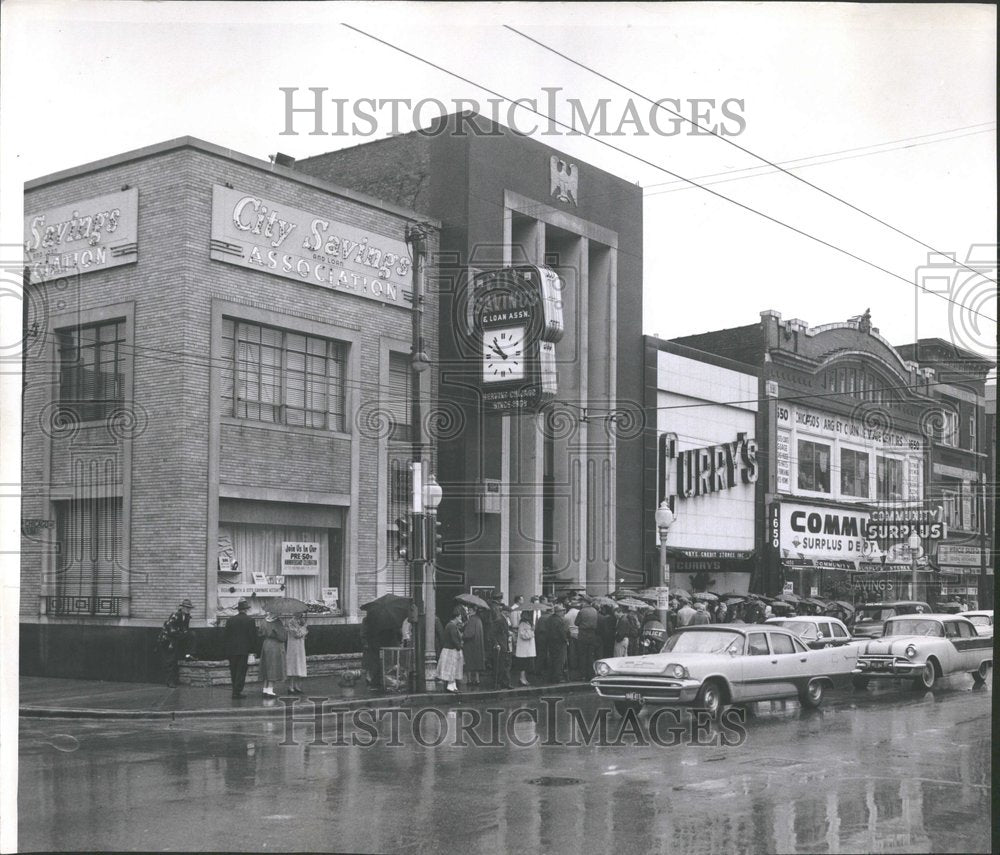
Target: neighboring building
705 454
531 502
960 473
216 384
843 457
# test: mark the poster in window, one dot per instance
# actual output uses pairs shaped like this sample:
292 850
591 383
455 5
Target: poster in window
299 558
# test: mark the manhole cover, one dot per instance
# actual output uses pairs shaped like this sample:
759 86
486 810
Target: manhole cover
555 782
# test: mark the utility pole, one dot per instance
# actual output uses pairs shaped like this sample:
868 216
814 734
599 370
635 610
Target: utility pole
421 582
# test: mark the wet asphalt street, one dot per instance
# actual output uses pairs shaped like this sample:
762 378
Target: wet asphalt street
886 770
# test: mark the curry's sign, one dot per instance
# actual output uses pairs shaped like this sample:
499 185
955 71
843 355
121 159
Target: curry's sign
259 233
92 234
711 469
300 559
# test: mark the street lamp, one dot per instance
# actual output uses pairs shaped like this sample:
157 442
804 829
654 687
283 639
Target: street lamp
424 648
914 544
664 519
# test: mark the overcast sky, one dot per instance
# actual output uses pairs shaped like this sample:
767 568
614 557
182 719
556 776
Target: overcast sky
893 105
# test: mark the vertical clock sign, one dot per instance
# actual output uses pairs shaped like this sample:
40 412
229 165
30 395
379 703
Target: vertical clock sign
517 320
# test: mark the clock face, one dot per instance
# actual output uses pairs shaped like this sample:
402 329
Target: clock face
504 354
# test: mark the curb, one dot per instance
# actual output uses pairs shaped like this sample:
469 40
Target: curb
281 709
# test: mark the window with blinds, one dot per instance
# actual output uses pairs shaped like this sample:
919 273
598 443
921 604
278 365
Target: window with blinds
397 397
89 562
91 374
274 375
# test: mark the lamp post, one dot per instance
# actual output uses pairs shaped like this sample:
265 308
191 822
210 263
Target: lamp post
426 657
914 544
664 519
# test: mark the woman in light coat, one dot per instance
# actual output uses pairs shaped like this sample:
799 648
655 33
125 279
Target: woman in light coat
295 653
451 665
524 647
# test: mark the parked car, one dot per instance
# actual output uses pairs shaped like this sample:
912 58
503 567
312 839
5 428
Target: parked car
923 648
982 620
816 631
869 619
712 665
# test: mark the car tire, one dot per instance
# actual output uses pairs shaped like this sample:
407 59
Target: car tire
812 695
860 683
710 698
926 679
980 674
622 707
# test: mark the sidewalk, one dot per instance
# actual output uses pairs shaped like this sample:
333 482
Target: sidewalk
50 697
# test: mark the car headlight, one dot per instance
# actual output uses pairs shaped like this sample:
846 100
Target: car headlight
910 651
677 671
602 669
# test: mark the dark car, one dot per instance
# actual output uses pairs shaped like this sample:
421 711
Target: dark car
869 619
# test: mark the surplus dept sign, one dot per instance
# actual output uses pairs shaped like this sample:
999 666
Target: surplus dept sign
255 232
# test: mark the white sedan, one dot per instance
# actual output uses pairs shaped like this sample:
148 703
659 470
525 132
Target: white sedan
712 665
982 620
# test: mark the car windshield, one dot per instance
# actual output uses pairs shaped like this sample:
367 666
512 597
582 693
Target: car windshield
713 641
913 626
876 613
979 620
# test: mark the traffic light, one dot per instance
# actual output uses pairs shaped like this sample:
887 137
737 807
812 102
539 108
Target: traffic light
404 537
437 539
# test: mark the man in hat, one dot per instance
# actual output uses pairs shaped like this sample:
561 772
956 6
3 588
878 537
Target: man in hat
175 641
500 634
239 640
556 641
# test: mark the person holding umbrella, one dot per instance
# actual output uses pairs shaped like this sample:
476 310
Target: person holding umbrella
451 665
295 652
473 649
272 655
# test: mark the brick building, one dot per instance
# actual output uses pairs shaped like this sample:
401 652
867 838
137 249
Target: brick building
846 429
532 503
216 381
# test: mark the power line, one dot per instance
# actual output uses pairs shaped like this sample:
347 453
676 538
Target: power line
776 221
745 150
815 163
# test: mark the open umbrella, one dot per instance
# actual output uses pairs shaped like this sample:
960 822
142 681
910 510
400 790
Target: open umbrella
286 606
604 601
472 600
708 596
795 599
633 603
733 599
844 605
782 606
622 593
387 612
680 593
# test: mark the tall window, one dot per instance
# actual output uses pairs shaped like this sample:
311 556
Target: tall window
398 394
889 479
274 375
91 376
814 466
89 563
949 429
853 473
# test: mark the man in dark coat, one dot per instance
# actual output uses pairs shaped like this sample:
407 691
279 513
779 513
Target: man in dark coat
557 642
175 641
500 634
587 641
239 639
605 632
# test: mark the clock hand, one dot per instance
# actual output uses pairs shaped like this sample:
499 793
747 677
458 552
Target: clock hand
497 348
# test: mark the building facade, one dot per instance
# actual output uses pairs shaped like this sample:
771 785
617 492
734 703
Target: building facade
217 380
704 451
848 428
543 500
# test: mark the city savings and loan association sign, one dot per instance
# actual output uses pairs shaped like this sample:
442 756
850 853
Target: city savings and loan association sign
258 233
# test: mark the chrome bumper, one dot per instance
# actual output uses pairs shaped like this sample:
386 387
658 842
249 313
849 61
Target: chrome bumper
623 687
888 668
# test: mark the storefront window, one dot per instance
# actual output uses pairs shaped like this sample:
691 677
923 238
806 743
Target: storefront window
889 478
258 549
814 466
854 473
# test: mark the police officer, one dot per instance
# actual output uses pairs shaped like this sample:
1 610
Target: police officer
500 633
175 641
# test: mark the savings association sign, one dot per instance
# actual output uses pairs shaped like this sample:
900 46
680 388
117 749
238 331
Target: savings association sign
516 321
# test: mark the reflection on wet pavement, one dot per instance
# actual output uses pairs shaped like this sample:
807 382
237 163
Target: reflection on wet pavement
884 771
